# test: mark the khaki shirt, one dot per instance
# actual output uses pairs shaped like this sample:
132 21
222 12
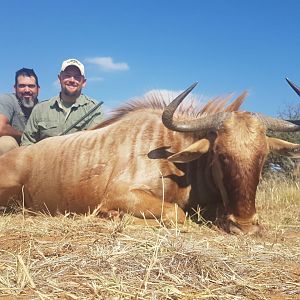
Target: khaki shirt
50 118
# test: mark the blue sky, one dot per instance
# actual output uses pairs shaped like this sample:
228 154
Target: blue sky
130 47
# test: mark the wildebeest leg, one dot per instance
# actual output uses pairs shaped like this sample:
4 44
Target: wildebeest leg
10 178
10 187
144 204
9 196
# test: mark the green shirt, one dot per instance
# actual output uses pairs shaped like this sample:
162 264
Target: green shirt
51 118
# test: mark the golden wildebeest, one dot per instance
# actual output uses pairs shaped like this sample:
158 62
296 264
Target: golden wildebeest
146 162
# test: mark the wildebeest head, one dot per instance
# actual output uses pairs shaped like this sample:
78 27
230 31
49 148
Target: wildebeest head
237 146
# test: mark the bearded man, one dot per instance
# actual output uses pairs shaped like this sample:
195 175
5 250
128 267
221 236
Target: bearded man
56 115
16 108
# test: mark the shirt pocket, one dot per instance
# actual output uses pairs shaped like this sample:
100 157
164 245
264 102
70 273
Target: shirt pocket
48 129
19 121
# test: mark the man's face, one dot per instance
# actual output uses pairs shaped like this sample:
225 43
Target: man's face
71 81
27 90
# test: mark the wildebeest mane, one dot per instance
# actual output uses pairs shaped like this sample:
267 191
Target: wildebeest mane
191 108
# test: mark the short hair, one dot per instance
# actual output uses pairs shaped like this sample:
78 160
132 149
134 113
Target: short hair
28 73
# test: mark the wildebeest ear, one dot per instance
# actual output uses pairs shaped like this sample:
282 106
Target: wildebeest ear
283 147
190 153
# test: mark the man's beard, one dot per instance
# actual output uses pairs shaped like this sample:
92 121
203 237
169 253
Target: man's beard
28 103
71 94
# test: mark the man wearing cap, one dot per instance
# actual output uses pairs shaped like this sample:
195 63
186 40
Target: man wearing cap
55 116
15 108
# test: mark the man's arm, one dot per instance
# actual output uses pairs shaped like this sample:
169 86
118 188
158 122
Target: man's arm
7 129
95 119
31 133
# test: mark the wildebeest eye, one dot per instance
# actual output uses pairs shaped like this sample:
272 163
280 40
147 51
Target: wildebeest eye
212 134
223 158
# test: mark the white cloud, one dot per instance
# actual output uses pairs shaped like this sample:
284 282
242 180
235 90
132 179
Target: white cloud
191 101
164 94
94 79
169 95
56 84
107 63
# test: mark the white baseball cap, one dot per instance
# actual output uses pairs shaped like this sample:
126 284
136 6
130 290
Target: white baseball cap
72 62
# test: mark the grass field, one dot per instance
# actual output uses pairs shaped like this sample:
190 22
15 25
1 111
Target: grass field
85 257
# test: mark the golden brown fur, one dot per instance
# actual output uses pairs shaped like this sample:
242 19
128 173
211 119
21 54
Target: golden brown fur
134 164
189 110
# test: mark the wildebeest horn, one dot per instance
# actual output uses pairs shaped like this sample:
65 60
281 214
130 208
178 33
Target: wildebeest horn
297 122
293 86
297 90
199 124
279 124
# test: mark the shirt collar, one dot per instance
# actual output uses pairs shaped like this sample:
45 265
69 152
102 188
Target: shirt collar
81 100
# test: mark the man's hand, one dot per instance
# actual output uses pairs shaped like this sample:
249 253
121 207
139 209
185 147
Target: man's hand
7 129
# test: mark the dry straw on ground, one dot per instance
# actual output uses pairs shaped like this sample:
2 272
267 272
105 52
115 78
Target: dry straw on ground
84 257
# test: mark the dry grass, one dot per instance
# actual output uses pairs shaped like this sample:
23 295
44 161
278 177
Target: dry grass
84 257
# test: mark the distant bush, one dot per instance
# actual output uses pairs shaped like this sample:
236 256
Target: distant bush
281 165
